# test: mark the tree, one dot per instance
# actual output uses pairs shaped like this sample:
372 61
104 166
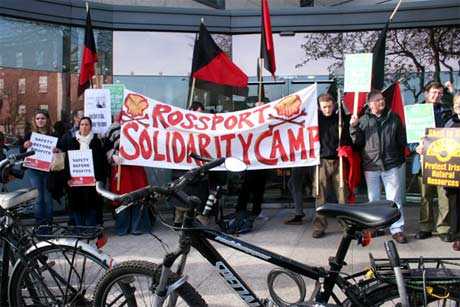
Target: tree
412 55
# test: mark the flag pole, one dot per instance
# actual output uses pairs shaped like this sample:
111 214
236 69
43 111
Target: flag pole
339 100
192 90
395 10
355 103
261 78
93 79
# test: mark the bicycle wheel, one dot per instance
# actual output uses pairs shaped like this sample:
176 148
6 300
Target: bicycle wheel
56 275
387 295
132 284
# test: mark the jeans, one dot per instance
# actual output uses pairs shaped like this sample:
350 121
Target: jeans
134 219
85 218
44 206
392 183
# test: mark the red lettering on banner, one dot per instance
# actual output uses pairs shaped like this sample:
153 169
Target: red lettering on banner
175 118
259 156
216 119
167 146
125 131
145 144
204 120
217 146
157 115
244 119
277 147
190 118
157 156
230 122
227 138
190 148
203 143
178 154
313 137
245 144
297 143
261 110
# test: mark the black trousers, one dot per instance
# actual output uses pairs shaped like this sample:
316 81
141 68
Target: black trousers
253 185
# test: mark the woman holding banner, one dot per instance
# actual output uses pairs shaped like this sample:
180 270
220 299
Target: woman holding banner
84 200
43 209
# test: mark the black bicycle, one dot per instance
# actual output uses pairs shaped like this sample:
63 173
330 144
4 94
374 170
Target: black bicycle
425 281
51 265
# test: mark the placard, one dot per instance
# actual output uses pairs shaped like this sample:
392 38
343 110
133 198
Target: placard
116 96
43 146
441 162
358 72
97 107
418 117
81 168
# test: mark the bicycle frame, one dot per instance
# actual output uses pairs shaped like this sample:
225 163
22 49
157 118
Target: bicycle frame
199 237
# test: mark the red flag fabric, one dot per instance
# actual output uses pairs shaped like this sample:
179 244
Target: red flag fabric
211 64
348 100
267 48
394 100
89 57
352 170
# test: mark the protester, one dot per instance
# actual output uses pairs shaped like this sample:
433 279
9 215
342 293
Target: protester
85 201
381 138
453 194
43 210
327 176
300 177
66 138
428 209
135 219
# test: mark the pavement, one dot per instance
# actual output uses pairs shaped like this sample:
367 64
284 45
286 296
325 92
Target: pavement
270 233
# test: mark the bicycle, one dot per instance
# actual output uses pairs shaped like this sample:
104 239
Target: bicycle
52 265
425 281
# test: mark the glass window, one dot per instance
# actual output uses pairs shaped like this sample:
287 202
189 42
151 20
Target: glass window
32 45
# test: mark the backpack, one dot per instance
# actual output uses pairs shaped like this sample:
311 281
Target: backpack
239 223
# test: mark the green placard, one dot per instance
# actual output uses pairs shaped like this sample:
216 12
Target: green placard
418 117
116 96
358 72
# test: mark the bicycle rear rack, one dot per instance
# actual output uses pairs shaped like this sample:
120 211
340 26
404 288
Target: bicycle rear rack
56 231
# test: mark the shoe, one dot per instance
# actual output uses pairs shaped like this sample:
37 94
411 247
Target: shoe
456 246
422 235
400 238
318 234
296 220
446 237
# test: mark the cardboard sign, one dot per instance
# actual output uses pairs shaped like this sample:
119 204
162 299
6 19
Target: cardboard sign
283 133
358 72
81 168
43 146
116 96
418 117
97 107
441 162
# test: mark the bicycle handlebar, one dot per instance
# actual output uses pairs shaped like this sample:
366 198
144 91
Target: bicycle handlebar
173 189
15 157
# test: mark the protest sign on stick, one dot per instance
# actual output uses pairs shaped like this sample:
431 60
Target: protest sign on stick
81 168
43 146
358 75
97 107
418 117
116 96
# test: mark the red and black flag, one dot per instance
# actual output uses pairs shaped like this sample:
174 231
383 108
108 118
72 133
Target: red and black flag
394 100
89 58
378 60
213 69
267 48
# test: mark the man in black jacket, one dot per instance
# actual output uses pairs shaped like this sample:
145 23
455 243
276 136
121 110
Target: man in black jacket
328 171
381 138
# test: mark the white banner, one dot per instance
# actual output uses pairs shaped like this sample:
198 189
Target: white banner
97 107
81 168
283 133
43 146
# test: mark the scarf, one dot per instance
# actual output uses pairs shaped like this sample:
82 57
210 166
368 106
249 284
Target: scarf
84 140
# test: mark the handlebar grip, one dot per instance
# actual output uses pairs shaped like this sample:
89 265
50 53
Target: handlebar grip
21 156
124 198
213 164
392 253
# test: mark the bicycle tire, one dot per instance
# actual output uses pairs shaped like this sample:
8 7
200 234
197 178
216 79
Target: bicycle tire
384 294
123 276
87 269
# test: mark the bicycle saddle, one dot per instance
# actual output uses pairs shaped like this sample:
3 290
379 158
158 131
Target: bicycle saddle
368 215
12 199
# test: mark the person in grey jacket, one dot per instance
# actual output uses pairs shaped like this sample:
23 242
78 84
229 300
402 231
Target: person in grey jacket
381 138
